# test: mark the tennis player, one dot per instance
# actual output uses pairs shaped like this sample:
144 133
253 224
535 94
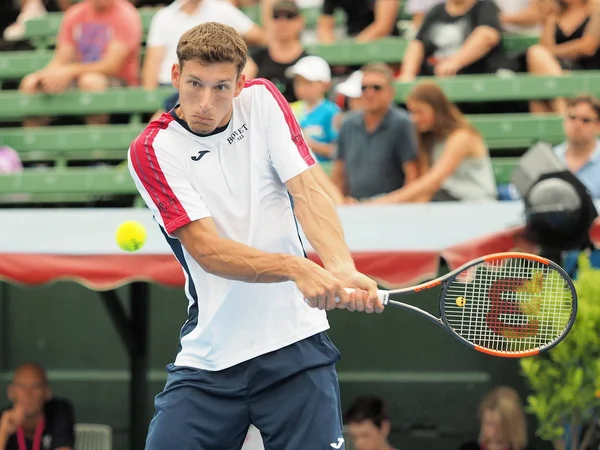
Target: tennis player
225 174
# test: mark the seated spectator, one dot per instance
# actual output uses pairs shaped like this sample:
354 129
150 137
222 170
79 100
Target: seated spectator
591 37
315 113
465 37
366 20
35 420
580 152
453 159
169 23
98 47
309 36
520 16
283 49
377 148
368 423
418 8
503 425
564 25
31 9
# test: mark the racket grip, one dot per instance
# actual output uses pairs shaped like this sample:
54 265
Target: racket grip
383 295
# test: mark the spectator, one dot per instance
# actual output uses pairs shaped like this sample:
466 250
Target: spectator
309 36
503 425
368 423
169 23
580 152
464 37
98 47
591 37
520 16
377 147
315 113
35 419
453 158
366 20
283 50
31 9
564 25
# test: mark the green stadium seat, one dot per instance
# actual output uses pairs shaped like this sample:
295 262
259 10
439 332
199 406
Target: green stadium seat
71 143
15 65
116 180
110 142
14 106
482 88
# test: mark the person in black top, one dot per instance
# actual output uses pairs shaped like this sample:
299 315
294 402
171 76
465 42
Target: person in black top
503 424
564 27
35 421
465 37
284 49
366 20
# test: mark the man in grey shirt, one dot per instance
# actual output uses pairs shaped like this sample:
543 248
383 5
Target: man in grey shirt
377 147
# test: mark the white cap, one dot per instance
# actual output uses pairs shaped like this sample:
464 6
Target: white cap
351 86
313 68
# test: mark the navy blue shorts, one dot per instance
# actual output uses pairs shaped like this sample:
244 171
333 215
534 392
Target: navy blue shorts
291 395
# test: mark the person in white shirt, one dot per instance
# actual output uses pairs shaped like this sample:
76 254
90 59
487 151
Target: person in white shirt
169 23
225 175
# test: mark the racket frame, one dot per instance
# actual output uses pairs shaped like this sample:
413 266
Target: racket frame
445 280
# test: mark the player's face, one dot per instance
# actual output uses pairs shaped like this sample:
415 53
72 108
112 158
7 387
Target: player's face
366 436
206 93
422 115
29 390
377 93
581 124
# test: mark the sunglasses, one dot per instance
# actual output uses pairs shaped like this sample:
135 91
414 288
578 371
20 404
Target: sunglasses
284 15
585 120
375 87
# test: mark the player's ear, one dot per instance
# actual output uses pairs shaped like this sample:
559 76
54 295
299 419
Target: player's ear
175 75
239 85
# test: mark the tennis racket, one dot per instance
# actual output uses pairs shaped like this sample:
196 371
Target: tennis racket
504 304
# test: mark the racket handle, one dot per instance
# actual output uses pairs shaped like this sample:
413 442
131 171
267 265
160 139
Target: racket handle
383 295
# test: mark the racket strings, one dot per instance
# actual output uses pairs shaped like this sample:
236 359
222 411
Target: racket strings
509 305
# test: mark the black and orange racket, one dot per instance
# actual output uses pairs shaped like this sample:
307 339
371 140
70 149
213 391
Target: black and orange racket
504 304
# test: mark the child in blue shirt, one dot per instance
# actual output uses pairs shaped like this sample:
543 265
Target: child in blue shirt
315 113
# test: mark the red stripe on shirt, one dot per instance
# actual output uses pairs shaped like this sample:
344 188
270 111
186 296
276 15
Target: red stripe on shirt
148 170
290 119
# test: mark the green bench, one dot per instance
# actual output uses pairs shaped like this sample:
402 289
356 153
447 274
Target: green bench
481 88
15 65
59 145
97 181
14 106
523 87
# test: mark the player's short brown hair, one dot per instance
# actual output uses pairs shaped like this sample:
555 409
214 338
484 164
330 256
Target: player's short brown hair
380 68
211 43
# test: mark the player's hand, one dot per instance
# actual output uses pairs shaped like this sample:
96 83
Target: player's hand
11 420
319 287
365 297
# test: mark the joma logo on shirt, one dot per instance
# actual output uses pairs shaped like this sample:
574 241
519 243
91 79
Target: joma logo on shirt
238 134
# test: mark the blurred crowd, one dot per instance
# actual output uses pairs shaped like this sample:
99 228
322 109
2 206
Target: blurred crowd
36 418
378 152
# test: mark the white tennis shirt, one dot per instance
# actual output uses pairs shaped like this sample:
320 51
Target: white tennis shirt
236 177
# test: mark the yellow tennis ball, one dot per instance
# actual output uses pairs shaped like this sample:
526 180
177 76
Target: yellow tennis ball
131 236
460 301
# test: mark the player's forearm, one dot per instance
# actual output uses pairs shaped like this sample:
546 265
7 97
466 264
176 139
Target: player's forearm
321 224
235 261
